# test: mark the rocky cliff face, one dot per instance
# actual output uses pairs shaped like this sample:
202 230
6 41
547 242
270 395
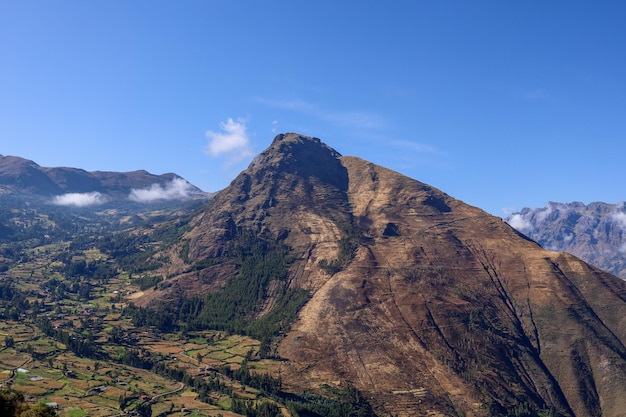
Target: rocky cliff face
596 232
427 305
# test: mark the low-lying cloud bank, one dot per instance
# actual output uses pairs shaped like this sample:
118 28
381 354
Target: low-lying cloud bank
520 223
79 199
530 219
178 188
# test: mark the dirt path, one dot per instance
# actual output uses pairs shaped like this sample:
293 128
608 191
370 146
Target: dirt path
181 386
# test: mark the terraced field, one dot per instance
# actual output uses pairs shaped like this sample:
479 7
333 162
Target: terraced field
43 368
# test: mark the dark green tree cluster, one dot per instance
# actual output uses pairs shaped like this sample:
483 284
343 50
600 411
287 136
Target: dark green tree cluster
147 282
264 382
13 301
348 244
80 345
346 402
13 404
143 410
251 408
236 308
162 318
137 358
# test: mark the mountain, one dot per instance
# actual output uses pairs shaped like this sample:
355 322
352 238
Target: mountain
22 176
357 276
594 232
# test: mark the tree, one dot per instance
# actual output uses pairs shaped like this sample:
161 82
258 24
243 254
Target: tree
11 402
40 410
144 410
9 341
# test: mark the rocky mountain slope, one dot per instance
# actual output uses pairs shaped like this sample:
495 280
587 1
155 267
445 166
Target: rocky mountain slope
595 233
426 305
22 176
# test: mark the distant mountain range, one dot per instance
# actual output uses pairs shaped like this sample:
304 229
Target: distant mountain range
74 186
596 232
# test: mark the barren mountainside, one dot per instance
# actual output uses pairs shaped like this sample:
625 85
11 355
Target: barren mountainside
593 232
426 305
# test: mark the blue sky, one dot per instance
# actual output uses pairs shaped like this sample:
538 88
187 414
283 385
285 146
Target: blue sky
502 104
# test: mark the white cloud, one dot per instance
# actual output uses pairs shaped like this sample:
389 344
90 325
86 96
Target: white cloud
178 188
543 213
619 217
79 199
520 223
233 140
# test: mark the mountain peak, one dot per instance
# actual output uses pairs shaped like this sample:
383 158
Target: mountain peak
303 156
425 304
297 138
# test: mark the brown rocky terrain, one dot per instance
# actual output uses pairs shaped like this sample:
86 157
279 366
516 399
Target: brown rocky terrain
428 306
593 232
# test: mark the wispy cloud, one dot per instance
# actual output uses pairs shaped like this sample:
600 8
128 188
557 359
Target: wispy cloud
508 211
346 118
367 123
619 217
367 126
178 188
415 147
233 140
79 199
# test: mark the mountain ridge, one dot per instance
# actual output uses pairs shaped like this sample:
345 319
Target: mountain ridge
426 305
22 176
